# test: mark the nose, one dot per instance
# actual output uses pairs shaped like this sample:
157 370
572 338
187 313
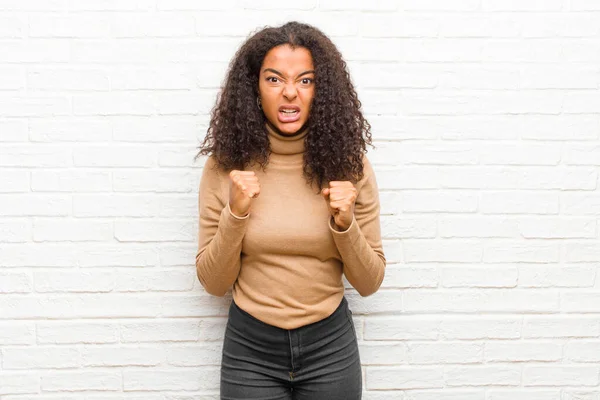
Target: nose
289 91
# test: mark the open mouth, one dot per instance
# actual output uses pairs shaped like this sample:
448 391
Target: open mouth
288 113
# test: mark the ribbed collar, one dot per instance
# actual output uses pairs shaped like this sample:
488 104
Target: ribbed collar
286 145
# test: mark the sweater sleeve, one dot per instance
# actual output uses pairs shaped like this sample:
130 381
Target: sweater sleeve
360 246
220 233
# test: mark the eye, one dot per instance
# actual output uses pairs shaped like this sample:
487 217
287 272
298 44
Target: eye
307 81
272 79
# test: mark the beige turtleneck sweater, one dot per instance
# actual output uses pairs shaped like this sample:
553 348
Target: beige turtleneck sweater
285 260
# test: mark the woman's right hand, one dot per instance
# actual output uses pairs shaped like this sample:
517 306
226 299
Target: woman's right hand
243 187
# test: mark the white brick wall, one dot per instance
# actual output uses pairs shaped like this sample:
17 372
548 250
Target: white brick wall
486 116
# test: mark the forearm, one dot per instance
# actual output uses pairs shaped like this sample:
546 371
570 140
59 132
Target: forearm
218 263
364 266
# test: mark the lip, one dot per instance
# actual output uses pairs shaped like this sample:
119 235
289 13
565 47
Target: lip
285 118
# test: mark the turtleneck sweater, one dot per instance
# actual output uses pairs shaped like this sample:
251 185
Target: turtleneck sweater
285 259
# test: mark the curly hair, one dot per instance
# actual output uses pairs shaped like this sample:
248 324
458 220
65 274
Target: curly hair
338 132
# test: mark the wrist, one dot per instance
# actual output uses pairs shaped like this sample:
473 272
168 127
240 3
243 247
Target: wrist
235 213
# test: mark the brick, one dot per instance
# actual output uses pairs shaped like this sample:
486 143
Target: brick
445 353
24 205
483 375
121 356
425 201
169 25
173 330
478 227
69 332
514 5
154 231
37 255
560 127
68 129
580 302
55 230
17 333
69 26
451 250
80 306
511 351
81 381
34 156
402 276
581 252
10 79
15 282
118 255
125 51
387 353
188 5
560 375
195 355
558 78
115 205
113 156
479 276
384 5
575 275
519 202
480 25
438 5
205 378
40 358
19 383
524 394
14 181
476 301
419 327
161 181
172 280
521 251
79 281
557 228
563 326
67 79
84 180
402 227
583 351
580 154
522 154
474 328
386 378
15 231
34 51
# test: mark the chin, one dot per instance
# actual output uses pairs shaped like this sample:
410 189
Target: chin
290 128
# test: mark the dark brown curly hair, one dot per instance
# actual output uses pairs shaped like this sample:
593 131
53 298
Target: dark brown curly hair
338 132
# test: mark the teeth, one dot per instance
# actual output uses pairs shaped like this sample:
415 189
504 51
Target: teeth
289 111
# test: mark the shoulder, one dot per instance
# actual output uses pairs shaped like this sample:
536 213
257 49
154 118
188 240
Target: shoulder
368 177
213 175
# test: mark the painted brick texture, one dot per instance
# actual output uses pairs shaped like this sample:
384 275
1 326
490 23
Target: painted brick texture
486 119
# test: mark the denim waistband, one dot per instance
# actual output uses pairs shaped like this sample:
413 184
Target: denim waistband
313 332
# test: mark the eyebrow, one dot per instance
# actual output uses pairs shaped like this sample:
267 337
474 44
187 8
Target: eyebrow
312 71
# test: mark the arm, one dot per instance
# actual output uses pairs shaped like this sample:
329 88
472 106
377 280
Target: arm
220 233
360 245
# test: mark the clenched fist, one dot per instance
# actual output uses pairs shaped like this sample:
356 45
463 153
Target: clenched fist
243 187
340 197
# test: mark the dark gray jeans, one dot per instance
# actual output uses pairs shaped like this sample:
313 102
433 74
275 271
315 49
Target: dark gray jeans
316 361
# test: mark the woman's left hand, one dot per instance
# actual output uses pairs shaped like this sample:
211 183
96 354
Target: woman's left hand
340 197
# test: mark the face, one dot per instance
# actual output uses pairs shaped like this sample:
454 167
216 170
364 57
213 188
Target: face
286 87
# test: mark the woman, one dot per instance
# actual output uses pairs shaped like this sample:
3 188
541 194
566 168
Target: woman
288 203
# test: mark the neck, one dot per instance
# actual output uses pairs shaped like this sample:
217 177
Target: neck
286 144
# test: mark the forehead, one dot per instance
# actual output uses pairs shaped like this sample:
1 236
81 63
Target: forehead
284 58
